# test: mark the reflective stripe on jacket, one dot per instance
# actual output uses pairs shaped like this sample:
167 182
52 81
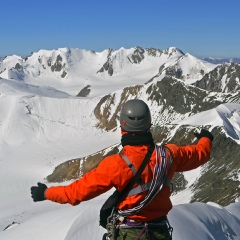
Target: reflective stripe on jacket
113 171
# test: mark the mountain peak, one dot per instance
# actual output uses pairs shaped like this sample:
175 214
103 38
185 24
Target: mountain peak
174 50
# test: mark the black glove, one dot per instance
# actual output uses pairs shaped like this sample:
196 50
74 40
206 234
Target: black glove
204 133
38 192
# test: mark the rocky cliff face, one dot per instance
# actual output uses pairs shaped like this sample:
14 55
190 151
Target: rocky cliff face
168 99
220 179
122 58
224 78
107 66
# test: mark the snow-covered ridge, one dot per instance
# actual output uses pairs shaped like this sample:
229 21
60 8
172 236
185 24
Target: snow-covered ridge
224 78
190 221
71 70
225 115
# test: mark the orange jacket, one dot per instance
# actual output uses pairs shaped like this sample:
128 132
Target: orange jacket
114 172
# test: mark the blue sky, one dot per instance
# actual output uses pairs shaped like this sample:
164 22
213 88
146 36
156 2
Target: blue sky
201 28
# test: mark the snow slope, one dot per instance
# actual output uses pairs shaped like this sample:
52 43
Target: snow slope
225 115
70 70
41 127
193 68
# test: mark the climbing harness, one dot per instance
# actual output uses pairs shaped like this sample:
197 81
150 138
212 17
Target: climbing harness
153 187
118 218
147 227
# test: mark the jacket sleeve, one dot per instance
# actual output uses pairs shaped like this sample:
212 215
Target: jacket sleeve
89 186
189 157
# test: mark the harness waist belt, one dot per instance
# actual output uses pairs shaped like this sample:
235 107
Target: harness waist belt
129 223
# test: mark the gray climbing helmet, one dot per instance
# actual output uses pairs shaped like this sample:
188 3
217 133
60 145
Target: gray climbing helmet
135 116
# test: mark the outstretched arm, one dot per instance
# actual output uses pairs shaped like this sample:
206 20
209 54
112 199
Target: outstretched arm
192 156
89 186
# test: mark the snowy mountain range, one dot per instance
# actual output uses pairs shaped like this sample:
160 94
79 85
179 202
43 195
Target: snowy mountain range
59 117
221 60
82 72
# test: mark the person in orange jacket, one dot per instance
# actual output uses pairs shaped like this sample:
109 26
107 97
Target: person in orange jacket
118 169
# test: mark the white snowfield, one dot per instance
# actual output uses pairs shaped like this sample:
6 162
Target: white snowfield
41 127
83 68
225 115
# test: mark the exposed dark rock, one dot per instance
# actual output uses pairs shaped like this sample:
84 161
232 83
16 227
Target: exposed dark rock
107 66
3 59
59 58
179 183
66 171
71 170
49 62
93 160
174 71
2 70
106 120
17 66
103 117
26 58
10 225
171 95
57 66
178 97
64 74
170 51
84 92
161 69
154 52
220 182
138 55
224 78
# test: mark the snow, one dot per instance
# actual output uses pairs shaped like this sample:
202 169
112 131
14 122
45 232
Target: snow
226 115
204 221
192 66
83 67
223 82
41 127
